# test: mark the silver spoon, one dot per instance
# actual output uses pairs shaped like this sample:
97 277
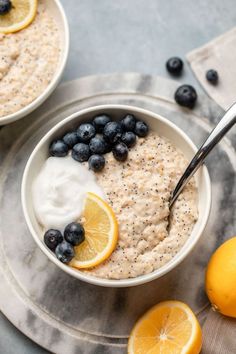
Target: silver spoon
225 124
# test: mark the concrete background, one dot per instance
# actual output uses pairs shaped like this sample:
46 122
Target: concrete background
133 35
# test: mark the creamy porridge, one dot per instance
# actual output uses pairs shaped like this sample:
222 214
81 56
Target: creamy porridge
28 62
138 191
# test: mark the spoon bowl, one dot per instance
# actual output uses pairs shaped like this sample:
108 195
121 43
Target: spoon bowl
225 124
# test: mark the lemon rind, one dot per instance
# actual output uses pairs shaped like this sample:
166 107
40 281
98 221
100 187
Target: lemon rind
113 238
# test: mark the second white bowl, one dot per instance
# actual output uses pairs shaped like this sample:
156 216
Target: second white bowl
55 8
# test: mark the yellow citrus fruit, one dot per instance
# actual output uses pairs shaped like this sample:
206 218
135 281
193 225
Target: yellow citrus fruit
221 278
101 233
168 328
20 16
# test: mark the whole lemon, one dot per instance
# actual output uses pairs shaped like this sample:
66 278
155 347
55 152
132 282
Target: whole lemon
221 278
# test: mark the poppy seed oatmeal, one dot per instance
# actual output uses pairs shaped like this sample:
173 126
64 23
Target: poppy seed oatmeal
138 190
28 62
102 196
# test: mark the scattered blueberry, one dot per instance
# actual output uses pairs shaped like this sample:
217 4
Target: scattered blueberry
5 6
80 152
98 145
120 152
212 76
128 138
65 252
186 96
174 65
52 238
74 233
112 132
71 139
141 129
86 131
96 163
128 123
100 121
58 148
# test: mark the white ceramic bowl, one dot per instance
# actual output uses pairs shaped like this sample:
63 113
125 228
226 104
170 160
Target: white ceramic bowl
157 123
55 8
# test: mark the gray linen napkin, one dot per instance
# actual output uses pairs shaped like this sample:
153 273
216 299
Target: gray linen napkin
219 54
219 334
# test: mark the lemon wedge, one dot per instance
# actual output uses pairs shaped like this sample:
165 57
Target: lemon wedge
101 233
20 16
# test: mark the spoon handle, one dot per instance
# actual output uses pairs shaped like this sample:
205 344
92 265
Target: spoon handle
225 124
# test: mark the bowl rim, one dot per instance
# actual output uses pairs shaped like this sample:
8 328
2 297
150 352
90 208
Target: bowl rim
10 118
180 256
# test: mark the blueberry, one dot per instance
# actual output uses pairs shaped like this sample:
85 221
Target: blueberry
174 65
65 252
80 152
120 152
128 138
58 148
128 123
108 147
5 6
86 132
212 76
186 96
98 145
52 238
141 129
96 163
100 121
112 132
71 139
74 233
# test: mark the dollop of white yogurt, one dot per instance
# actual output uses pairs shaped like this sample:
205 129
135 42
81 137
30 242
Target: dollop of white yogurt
59 191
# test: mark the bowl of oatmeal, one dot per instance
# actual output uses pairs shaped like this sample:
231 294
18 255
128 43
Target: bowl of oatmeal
137 189
32 61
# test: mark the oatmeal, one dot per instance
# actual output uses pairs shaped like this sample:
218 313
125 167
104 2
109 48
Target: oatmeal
131 189
138 191
28 62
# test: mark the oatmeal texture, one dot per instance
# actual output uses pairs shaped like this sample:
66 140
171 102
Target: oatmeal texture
28 61
138 191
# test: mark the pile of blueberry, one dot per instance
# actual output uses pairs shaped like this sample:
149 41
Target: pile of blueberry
92 140
63 247
186 95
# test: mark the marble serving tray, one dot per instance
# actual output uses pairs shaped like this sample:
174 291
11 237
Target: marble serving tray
59 312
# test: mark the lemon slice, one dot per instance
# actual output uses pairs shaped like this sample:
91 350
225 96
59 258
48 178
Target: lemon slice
101 233
20 16
169 327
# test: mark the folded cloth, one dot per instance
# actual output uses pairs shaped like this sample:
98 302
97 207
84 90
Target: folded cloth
219 334
219 54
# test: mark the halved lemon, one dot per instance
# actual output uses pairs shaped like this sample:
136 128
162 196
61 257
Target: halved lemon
168 328
20 16
101 233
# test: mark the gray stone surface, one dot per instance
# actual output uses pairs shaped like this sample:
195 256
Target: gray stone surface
140 35
116 36
34 293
